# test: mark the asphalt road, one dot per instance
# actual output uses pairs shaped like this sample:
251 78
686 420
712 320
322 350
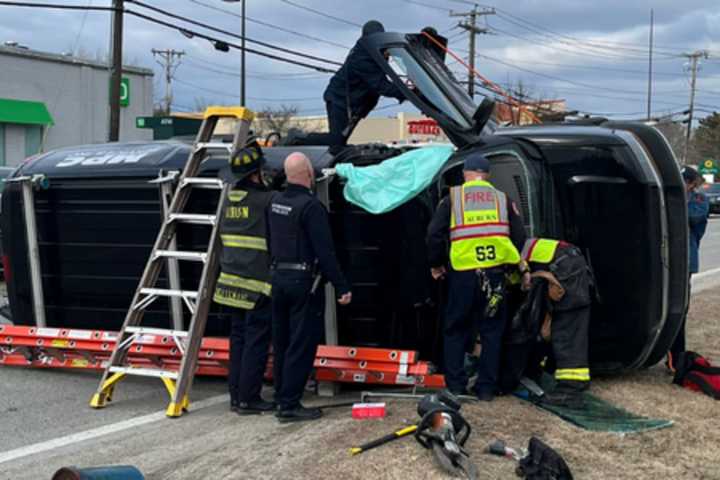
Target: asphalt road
710 246
45 421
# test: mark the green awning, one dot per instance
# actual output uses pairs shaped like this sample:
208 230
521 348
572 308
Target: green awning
24 112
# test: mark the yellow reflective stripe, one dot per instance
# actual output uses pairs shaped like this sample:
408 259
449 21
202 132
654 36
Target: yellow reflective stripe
244 241
539 250
479 230
247 283
237 195
577 374
502 207
232 302
456 218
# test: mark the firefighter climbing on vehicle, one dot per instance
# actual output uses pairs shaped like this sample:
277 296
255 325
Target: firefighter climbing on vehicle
561 272
353 92
244 282
485 232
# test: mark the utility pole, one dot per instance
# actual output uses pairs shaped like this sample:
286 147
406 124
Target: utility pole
694 58
116 70
242 51
650 64
470 24
169 60
242 58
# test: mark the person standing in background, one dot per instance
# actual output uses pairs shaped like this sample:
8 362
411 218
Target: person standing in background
698 211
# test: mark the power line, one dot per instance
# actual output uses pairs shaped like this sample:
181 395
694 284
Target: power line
571 49
58 7
259 99
192 61
544 31
322 14
607 69
223 45
270 25
560 79
423 4
219 44
539 29
231 34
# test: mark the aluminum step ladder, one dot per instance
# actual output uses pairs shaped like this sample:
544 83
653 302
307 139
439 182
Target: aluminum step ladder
178 381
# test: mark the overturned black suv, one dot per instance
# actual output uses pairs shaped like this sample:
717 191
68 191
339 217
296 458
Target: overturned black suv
614 189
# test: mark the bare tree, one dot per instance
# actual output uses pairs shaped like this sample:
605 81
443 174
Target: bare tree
543 105
674 132
200 104
278 119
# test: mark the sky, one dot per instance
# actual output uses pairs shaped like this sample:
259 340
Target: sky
593 54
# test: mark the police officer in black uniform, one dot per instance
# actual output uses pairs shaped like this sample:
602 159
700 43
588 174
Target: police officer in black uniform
244 282
301 249
353 92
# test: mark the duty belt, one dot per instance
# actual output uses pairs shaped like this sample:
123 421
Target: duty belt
302 267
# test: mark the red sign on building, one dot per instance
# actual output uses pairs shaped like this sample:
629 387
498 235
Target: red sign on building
424 127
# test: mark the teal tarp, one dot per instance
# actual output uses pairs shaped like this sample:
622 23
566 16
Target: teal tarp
383 187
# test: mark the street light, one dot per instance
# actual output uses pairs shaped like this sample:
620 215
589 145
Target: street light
242 53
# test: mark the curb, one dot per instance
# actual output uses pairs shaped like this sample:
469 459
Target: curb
705 280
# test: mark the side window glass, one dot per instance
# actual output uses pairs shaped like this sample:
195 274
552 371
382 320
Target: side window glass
508 174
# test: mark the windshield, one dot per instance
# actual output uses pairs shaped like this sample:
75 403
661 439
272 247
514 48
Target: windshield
412 73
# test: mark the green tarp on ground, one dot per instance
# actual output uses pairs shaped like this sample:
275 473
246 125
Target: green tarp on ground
598 415
383 187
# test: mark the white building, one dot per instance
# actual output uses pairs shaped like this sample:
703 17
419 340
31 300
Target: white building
49 101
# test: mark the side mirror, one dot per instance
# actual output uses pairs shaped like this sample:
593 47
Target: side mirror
482 114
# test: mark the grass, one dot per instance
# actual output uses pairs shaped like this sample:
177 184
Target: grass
690 449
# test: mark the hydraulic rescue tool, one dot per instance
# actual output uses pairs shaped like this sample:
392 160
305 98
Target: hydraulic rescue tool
443 430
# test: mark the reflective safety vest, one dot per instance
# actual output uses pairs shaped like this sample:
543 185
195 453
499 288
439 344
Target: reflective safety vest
244 260
539 250
479 227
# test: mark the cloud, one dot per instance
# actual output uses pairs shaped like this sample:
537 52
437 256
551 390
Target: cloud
590 53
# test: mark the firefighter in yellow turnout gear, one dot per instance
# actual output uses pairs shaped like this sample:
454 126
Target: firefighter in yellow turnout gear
484 232
566 326
243 286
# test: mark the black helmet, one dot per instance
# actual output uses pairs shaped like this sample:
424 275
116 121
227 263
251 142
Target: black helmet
247 161
373 26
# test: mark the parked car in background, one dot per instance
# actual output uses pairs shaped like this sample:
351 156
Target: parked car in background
712 191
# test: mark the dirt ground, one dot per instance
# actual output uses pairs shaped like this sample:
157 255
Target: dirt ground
225 446
690 449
